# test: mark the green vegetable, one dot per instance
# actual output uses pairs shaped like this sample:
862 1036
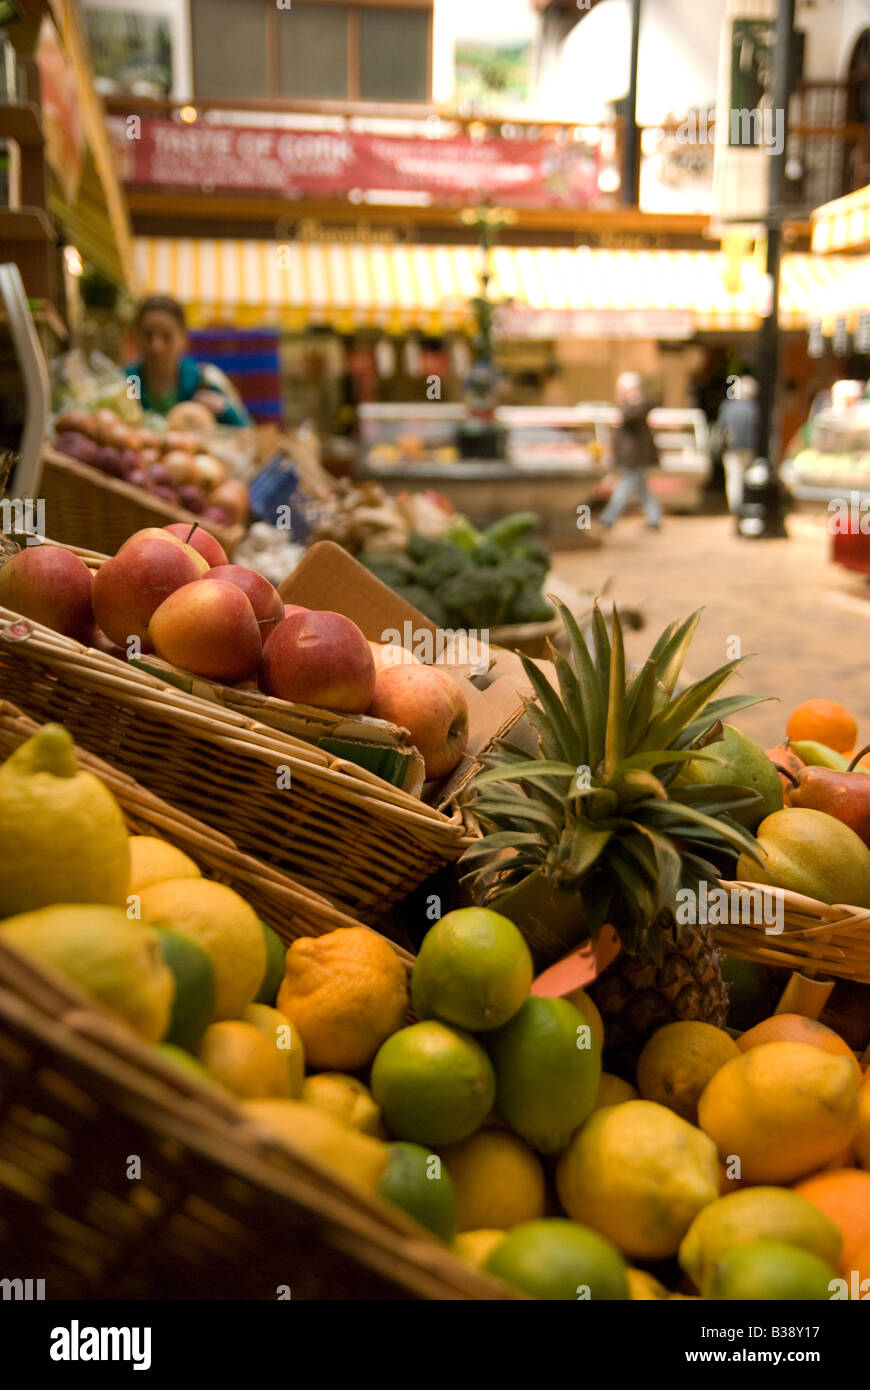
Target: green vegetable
512 528
479 598
487 553
462 533
420 548
392 567
438 568
427 603
536 555
530 606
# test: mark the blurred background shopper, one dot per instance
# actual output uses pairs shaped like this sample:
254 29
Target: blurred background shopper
166 375
738 420
634 453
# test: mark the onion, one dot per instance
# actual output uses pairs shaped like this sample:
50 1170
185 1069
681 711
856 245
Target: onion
232 495
77 421
179 465
77 446
179 439
105 424
208 472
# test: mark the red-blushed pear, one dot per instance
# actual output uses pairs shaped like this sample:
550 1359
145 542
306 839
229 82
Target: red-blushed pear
200 540
131 586
319 658
50 586
209 628
431 706
264 597
159 533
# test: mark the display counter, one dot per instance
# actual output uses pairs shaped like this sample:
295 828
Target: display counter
557 459
833 470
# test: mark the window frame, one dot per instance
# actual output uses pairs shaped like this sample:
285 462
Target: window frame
275 99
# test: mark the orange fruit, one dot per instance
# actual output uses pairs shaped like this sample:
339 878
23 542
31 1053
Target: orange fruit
823 721
796 1028
844 1197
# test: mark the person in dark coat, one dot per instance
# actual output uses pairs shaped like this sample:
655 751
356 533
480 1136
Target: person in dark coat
739 420
634 454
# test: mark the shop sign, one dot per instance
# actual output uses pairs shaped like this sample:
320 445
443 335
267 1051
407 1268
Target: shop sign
327 164
61 113
516 322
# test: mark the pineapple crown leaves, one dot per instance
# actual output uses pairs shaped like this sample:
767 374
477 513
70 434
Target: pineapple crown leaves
597 810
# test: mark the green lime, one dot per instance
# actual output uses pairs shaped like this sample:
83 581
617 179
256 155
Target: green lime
183 1059
751 992
474 970
418 1182
768 1269
274 972
434 1084
547 1064
193 1008
557 1259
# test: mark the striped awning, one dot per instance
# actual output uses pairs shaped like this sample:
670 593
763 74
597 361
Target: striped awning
848 299
397 287
843 225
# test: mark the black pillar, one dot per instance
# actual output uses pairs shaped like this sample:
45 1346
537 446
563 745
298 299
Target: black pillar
630 188
769 502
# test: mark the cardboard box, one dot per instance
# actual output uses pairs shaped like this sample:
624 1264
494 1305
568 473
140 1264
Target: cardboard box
328 577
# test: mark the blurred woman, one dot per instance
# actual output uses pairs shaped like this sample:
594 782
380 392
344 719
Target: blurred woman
166 375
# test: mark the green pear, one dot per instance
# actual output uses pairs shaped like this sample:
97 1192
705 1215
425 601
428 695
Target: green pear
745 765
810 852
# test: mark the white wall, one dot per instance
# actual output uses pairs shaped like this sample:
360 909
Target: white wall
855 18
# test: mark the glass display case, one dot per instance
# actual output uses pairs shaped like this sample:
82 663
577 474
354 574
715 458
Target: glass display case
834 457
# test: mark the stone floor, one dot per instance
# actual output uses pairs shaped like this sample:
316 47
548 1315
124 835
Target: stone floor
806 620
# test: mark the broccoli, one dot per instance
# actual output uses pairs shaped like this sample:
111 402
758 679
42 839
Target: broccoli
530 606
420 548
441 566
427 603
479 598
537 556
487 553
392 567
462 533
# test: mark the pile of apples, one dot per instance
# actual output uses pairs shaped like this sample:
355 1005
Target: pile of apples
171 591
172 465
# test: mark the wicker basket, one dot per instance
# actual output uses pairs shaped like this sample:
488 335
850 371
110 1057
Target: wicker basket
816 938
84 507
290 908
336 828
221 1209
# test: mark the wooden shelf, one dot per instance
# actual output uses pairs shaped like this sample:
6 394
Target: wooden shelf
21 122
25 224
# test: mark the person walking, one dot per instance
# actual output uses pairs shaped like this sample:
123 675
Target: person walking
634 454
738 420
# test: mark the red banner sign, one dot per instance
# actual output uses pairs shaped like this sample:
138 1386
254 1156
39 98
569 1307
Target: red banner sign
292 163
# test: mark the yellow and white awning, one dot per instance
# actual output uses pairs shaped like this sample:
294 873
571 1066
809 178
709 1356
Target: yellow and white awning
396 287
843 225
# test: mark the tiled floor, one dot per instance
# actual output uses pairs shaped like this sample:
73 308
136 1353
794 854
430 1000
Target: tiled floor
806 620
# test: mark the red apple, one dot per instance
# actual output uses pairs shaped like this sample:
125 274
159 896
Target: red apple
50 586
210 629
100 641
201 540
431 706
291 608
129 588
264 597
319 658
158 533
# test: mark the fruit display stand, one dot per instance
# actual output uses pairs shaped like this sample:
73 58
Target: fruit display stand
87 508
222 1210
337 828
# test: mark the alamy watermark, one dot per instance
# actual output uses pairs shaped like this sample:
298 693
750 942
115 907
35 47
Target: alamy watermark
715 906
445 646
748 127
849 516
23 516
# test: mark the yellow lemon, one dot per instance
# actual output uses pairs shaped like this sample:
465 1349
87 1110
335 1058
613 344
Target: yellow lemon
783 1109
223 924
284 1037
153 860
644 1288
347 992
678 1061
117 961
862 1137
345 1098
498 1180
62 834
613 1091
638 1174
757 1213
477 1246
240 1057
321 1137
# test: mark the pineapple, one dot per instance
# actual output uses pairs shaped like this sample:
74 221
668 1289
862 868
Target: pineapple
596 829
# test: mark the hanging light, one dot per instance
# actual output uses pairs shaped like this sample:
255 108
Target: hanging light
73 261
816 344
841 338
862 334
188 114
609 180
